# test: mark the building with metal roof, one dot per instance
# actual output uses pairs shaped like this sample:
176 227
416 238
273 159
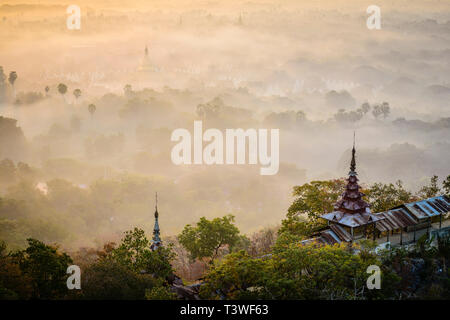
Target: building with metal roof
352 217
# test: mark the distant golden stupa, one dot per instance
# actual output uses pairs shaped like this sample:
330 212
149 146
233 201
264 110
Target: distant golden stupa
145 64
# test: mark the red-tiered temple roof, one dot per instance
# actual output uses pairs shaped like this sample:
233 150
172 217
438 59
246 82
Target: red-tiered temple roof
351 210
352 201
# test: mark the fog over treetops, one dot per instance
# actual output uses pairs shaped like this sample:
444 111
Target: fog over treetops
81 175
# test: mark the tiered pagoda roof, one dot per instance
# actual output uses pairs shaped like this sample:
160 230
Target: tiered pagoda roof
352 201
351 210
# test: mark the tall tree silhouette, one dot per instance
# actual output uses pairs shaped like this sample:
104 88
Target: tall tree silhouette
12 78
2 85
77 94
62 89
91 109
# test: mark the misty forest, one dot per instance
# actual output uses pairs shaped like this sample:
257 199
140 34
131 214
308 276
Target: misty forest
86 118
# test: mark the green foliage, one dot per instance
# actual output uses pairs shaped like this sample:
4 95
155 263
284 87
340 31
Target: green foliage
296 272
160 293
64 212
13 283
325 272
108 279
299 227
446 185
243 243
209 236
383 197
311 201
431 190
286 238
130 271
25 212
131 251
237 276
310 272
134 253
46 267
316 198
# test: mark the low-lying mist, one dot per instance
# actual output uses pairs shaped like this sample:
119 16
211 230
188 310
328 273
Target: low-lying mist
79 169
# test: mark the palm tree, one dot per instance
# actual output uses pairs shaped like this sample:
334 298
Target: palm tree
127 90
77 94
12 78
2 85
91 109
62 89
240 20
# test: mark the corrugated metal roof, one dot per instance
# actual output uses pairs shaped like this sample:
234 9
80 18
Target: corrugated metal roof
351 219
410 214
395 219
329 237
429 207
341 232
332 235
402 216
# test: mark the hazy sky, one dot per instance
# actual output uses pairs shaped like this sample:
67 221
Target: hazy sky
258 57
